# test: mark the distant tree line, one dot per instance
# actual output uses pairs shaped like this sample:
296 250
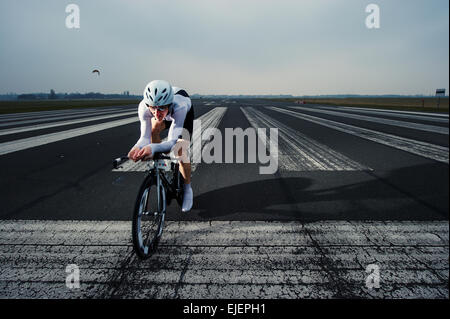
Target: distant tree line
61 96
126 94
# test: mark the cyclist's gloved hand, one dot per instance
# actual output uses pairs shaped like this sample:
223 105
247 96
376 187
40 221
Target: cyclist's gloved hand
132 154
144 153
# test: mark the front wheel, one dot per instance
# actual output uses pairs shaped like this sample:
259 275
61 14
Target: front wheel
148 218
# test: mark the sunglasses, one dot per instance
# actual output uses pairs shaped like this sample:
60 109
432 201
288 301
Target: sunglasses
161 108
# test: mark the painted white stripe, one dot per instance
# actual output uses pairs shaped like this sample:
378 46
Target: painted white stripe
210 119
205 233
425 114
393 114
45 126
23 144
65 117
297 152
130 166
378 120
427 150
28 115
238 259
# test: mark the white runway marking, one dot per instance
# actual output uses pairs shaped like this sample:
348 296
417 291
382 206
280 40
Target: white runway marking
226 259
379 120
23 144
431 116
427 150
45 126
50 114
57 118
297 152
397 114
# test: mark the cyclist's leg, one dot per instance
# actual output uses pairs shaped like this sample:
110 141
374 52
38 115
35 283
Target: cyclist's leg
185 167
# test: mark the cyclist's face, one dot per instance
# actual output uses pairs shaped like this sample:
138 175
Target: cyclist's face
159 112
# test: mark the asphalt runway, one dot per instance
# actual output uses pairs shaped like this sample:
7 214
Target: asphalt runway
371 172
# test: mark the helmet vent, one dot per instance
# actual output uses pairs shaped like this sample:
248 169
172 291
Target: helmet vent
164 90
156 91
160 98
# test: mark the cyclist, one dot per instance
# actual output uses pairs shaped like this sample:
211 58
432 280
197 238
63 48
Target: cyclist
164 106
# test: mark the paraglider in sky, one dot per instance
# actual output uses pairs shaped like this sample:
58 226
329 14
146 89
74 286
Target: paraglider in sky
96 71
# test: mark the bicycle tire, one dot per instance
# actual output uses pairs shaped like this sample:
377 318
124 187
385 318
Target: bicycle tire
148 218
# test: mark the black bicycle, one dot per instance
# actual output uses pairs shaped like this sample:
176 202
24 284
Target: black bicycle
163 183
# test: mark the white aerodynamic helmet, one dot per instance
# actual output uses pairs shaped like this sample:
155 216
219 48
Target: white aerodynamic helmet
158 93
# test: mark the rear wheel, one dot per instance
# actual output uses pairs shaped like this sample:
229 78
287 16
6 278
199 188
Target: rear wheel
148 218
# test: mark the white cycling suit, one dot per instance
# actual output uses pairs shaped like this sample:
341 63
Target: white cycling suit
177 114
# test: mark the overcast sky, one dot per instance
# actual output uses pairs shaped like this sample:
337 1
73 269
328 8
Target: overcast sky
226 47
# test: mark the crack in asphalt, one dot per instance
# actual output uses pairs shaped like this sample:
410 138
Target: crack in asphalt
119 277
182 274
432 270
337 282
412 270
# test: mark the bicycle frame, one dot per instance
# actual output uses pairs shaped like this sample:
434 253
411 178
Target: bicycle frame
159 171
